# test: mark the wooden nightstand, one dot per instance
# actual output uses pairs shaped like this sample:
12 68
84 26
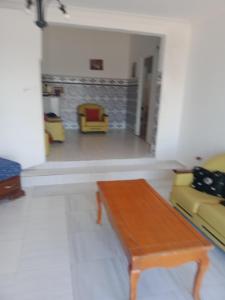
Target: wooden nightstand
11 188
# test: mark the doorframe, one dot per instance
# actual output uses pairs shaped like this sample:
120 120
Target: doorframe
151 97
139 95
176 38
152 113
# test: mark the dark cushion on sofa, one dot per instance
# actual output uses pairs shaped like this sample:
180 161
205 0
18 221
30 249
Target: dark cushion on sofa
209 182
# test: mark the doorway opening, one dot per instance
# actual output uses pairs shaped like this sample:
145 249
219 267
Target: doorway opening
149 97
118 72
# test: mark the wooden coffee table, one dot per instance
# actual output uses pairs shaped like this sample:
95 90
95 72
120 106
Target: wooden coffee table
152 233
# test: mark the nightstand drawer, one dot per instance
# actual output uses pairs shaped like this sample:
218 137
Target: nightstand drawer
9 185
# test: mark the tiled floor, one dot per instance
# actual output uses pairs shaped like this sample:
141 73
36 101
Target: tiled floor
115 144
52 248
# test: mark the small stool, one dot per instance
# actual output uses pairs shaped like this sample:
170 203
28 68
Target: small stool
10 185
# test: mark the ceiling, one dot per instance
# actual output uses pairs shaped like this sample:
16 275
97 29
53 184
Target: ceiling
181 9
164 8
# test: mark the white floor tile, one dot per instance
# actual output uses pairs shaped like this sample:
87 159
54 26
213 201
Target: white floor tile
81 202
90 246
43 295
10 252
12 207
171 295
64 190
12 231
185 275
93 146
52 248
215 292
6 286
86 221
47 204
105 280
43 279
44 261
154 282
45 221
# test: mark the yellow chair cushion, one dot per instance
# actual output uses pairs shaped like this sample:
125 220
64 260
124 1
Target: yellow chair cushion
214 215
93 124
191 199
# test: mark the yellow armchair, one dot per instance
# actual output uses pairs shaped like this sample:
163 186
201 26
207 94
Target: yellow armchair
98 123
54 126
204 210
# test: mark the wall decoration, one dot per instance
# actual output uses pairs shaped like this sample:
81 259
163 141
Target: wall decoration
48 90
96 64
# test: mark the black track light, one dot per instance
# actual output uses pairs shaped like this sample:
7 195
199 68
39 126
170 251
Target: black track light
41 23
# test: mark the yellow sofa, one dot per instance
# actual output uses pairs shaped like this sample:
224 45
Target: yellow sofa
54 127
92 126
204 210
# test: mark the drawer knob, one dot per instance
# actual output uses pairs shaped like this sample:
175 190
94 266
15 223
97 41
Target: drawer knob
7 187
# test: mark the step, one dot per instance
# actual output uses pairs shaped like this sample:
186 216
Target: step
97 170
107 162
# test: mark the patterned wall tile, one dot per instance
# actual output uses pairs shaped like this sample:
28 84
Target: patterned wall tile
117 96
131 105
110 93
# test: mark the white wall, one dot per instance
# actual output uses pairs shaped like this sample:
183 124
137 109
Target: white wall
174 62
141 47
203 121
21 126
67 51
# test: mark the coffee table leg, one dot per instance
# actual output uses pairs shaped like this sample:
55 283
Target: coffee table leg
99 218
134 276
203 265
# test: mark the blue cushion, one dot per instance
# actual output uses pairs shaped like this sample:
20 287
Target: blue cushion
9 168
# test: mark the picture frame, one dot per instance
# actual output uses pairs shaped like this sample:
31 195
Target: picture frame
97 64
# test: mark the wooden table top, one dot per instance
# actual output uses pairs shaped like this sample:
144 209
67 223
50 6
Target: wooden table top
145 222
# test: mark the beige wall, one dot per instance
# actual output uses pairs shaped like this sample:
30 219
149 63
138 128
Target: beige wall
67 51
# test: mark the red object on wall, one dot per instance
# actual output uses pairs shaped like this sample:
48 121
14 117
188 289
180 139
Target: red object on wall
92 114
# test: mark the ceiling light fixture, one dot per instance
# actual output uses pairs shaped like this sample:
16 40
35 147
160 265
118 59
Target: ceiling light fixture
41 23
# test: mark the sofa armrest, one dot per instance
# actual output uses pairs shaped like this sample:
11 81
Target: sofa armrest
82 120
53 120
183 179
181 171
